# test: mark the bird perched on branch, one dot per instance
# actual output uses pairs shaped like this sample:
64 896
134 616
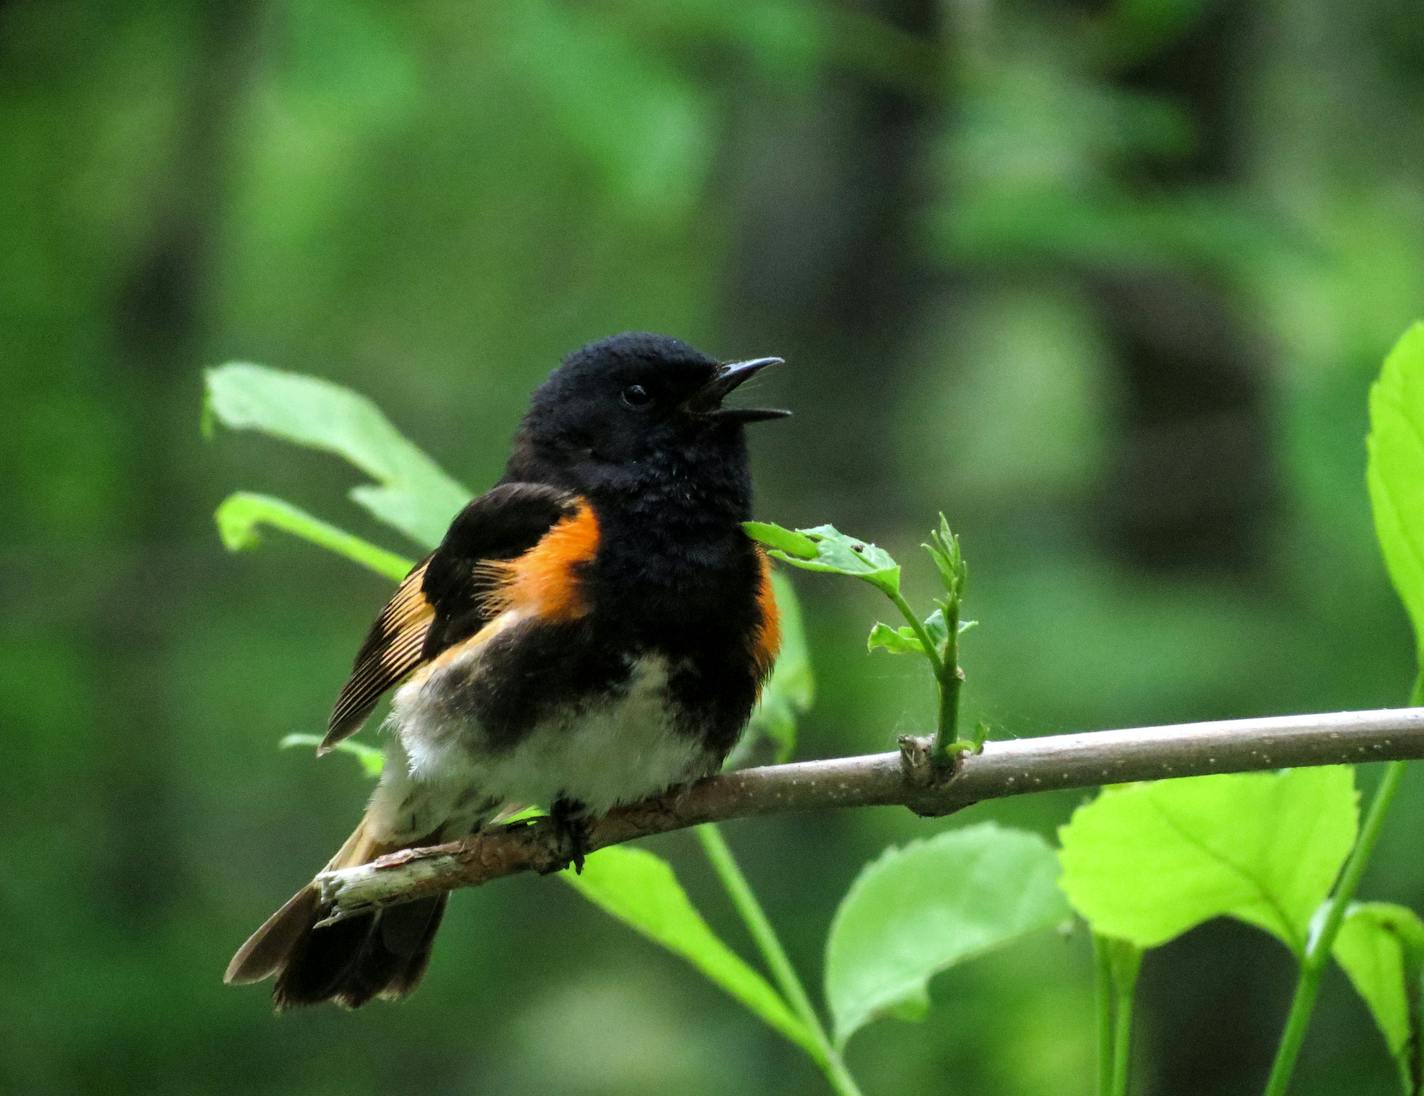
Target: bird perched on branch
593 630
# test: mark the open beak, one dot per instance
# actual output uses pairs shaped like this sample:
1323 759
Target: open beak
729 377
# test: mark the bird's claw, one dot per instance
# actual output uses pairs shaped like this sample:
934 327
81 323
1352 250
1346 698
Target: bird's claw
571 824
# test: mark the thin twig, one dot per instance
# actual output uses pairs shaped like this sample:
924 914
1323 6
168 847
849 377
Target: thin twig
907 778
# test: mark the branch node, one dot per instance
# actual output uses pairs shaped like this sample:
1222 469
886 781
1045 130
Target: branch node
928 777
922 768
917 760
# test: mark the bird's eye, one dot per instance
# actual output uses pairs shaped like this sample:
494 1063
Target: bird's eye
636 397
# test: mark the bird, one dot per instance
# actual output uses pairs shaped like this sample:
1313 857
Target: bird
593 630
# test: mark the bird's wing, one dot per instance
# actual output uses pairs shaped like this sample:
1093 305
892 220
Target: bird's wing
447 596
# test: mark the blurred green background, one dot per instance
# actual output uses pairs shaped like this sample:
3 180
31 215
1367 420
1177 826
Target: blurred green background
1105 281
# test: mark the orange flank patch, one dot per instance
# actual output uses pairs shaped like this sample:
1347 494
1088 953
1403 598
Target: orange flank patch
766 638
544 581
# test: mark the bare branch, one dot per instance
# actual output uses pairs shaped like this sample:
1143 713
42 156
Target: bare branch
905 779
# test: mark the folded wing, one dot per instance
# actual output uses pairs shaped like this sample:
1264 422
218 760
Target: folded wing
446 596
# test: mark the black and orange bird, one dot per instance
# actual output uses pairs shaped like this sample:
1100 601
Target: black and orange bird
593 630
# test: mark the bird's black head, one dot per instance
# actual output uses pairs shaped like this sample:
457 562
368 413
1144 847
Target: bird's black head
631 411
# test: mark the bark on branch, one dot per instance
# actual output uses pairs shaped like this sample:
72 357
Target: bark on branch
905 779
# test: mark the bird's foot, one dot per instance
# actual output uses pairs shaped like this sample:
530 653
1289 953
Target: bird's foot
571 824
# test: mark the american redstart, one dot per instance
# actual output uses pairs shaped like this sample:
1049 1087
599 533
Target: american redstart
593 630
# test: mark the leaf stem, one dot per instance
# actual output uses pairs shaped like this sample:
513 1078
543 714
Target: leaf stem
1103 995
946 673
1318 950
724 863
1118 964
950 678
1122 1039
931 650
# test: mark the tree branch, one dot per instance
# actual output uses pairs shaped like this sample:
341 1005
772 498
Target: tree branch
906 778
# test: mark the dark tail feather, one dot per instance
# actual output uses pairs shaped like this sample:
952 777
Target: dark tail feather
393 956
380 954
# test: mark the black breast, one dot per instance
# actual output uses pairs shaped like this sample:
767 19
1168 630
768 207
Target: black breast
691 597
684 585
674 575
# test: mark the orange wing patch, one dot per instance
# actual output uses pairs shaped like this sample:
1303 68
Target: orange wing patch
544 581
766 637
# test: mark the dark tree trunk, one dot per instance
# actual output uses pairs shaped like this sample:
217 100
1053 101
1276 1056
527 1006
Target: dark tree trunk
828 266
1192 486
157 328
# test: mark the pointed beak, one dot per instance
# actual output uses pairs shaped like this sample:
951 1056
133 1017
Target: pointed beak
731 376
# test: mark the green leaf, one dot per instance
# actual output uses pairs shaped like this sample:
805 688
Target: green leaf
1147 862
411 493
937 628
927 906
240 517
898 641
370 758
1395 472
783 540
771 734
1381 948
828 550
640 889
948 559
903 640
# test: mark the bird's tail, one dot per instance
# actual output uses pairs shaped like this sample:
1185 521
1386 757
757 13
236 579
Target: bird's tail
378 954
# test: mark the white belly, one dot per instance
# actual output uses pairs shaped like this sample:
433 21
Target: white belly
614 752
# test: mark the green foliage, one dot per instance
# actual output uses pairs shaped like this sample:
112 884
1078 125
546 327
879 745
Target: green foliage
641 890
241 516
927 906
1147 862
411 493
905 640
948 557
784 543
829 551
1381 948
1396 471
